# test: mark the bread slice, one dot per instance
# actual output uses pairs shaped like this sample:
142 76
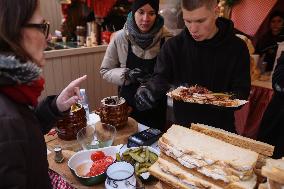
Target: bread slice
274 170
194 172
208 154
177 176
274 185
234 139
263 186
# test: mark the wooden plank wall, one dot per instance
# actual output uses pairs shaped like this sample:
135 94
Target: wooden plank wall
60 71
51 11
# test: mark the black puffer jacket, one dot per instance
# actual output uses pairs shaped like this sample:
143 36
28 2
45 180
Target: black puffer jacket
220 64
23 159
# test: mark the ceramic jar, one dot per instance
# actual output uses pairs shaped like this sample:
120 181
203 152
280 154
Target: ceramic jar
114 111
68 127
120 175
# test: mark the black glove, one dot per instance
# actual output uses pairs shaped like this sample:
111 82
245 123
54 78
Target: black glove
144 99
133 76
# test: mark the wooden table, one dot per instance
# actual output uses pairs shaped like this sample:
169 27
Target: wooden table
70 148
63 170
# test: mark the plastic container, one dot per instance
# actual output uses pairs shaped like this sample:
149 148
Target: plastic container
84 102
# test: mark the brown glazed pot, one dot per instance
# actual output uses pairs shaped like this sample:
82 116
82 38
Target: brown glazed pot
115 114
68 127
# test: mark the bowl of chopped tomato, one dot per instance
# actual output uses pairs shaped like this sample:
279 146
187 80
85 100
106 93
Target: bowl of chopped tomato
89 166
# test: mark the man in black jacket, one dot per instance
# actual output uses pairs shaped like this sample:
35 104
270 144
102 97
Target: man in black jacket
206 53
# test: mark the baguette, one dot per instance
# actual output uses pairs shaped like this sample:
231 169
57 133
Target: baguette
234 139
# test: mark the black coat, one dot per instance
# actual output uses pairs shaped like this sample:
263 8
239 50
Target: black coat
272 125
23 159
220 64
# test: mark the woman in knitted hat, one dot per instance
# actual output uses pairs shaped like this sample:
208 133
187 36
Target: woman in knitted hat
131 56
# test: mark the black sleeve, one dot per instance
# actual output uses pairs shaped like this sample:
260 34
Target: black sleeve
278 76
241 83
47 113
163 72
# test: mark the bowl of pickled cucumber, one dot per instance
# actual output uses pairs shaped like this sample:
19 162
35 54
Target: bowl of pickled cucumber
141 158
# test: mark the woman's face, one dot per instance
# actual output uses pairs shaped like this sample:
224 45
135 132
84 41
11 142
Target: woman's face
276 24
33 38
145 18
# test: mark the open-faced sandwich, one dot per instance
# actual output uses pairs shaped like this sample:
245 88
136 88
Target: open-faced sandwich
201 95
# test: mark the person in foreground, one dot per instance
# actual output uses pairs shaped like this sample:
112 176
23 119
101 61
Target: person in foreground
206 53
24 121
131 56
271 128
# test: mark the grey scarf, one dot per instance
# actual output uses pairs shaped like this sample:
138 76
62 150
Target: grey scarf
12 71
144 40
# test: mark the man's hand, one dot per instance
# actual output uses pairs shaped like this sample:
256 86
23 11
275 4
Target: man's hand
144 99
70 95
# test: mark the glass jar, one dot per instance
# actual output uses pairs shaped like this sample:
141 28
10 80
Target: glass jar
81 35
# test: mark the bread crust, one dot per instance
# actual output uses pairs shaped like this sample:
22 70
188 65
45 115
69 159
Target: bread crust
234 139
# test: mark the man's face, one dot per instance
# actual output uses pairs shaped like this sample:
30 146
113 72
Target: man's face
201 22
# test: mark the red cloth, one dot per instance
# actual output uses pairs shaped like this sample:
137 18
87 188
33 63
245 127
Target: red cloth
103 7
248 15
249 117
90 3
57 181
25 93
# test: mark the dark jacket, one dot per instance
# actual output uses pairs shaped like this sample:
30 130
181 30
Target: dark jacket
272 125
23 159
220 64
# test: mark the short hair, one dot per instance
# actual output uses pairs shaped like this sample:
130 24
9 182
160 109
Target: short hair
191 5
14 15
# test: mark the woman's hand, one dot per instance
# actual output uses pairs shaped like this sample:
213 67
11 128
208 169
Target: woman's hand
70 95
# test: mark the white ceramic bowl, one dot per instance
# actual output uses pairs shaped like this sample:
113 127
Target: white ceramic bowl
83 160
